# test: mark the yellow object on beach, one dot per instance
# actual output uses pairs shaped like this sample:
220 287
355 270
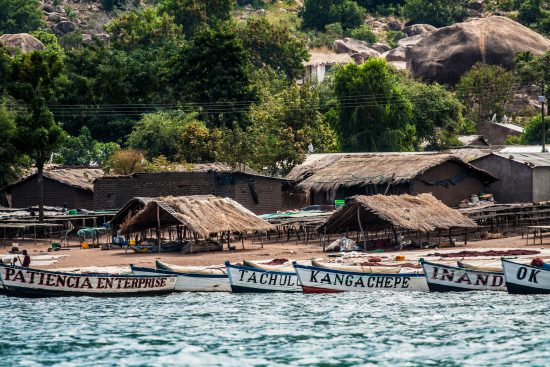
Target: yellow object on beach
132 242
85 245
400 258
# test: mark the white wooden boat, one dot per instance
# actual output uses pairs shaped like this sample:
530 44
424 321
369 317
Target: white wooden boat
525 279
245 279
445 278
358 268
29 282
192 280
323 280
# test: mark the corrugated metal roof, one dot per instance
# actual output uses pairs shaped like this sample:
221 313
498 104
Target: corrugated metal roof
530 159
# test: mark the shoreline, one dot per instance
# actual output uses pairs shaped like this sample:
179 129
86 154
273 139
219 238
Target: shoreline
75 257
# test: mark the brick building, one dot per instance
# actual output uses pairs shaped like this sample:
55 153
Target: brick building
62 185
260 194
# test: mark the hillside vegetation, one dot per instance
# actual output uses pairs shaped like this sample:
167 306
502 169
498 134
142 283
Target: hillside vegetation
161 82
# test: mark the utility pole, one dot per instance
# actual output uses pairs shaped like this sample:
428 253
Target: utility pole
542 99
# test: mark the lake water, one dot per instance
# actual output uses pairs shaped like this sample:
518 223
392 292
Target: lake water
352 329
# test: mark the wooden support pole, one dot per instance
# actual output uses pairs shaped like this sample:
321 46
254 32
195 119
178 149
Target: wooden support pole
158 227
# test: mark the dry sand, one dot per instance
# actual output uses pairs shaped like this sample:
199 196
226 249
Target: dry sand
77 257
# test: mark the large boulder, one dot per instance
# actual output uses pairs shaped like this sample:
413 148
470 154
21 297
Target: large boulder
416 29
21 41
397 54
359 50
380 47
64 27
447 53
351 46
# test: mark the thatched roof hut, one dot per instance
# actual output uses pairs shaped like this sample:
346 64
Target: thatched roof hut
78 177
327 172
71 185
339 175
422 213
202 215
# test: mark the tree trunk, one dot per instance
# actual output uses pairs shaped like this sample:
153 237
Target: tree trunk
40 180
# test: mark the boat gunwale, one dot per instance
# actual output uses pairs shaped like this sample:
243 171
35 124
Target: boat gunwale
229 265
307 267
459 268
178 274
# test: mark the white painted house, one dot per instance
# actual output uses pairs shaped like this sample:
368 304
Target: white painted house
320 63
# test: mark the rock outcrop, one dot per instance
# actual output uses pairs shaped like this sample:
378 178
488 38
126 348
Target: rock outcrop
416 29
64 27
447 53
21 41
358 50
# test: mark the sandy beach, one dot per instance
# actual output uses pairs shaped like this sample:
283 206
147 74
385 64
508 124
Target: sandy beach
74 257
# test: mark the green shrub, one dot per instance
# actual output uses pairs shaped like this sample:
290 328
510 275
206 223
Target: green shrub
363 33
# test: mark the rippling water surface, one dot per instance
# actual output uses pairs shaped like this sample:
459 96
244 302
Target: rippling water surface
408 329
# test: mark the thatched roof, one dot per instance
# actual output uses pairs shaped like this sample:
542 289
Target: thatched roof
202 215
326 172
420 213
79 177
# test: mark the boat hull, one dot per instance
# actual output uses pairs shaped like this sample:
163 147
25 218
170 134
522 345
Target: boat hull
191 282
29 282
445 278
251 280
321 280
525 279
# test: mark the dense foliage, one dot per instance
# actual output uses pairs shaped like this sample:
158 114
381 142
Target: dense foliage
17 16
438 13
375 115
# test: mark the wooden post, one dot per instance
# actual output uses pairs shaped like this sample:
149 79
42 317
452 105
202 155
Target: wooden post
466 237
158 226
395 235
34 235
450 238
325 239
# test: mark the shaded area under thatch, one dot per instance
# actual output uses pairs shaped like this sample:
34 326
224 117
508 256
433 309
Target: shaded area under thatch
201 215
422 213
328 172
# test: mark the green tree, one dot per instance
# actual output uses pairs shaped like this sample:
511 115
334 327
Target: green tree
9 156
159 133
486 90
82 150
533 70
316 14
437 114
274 45
34 81
142 28
374 113
438 13
532 131
193 15
198 143
125 162
214 72
20 16
530 11
283 127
